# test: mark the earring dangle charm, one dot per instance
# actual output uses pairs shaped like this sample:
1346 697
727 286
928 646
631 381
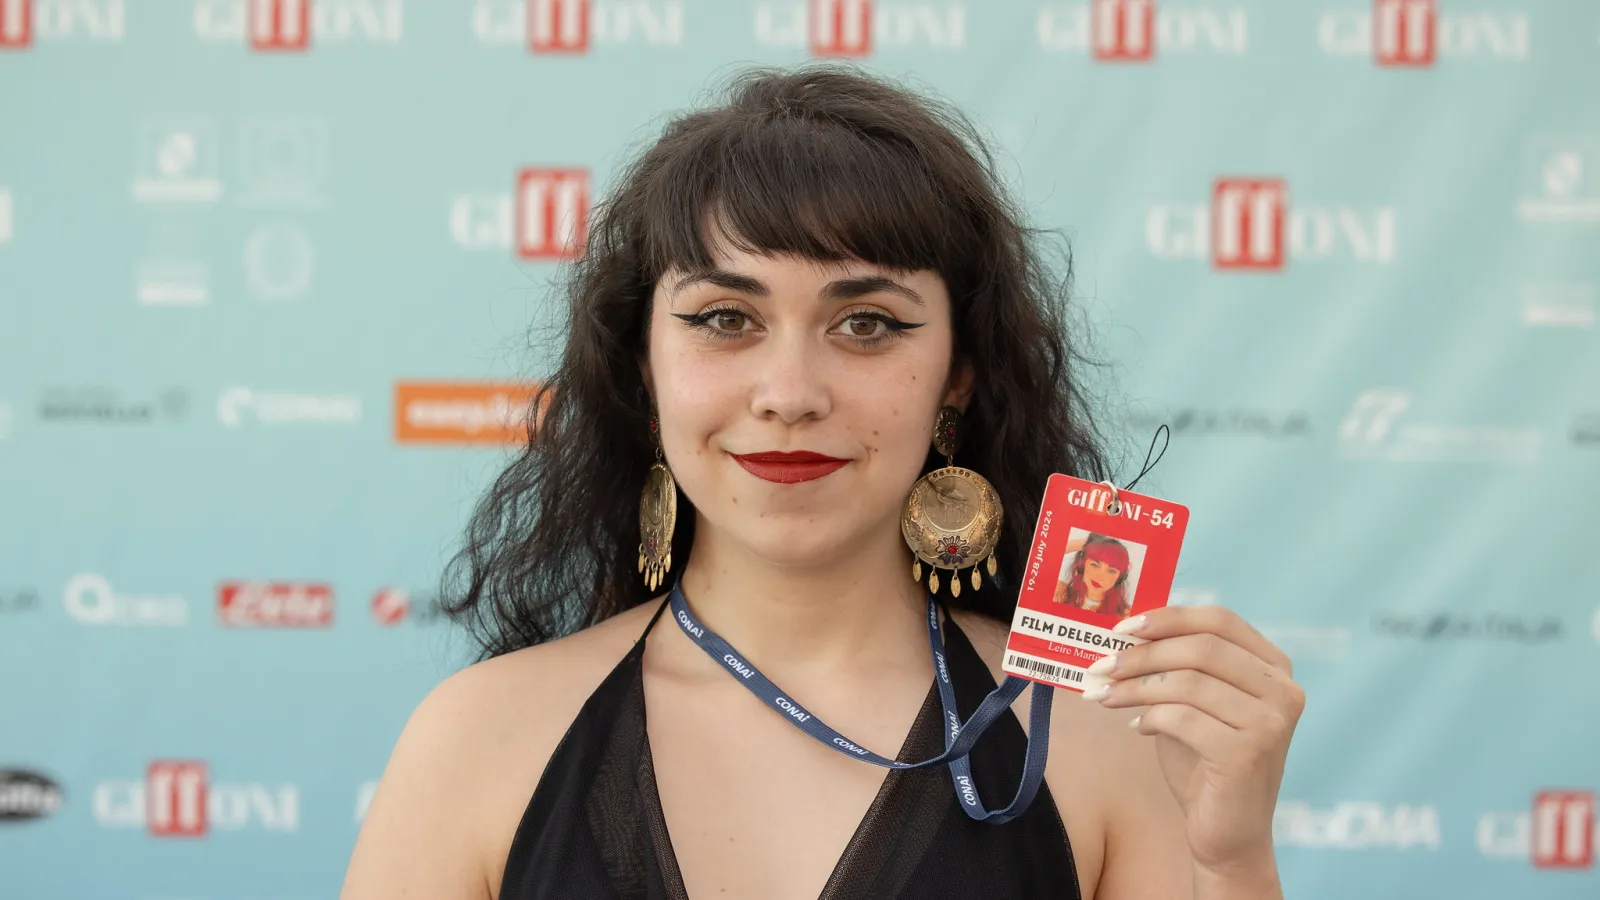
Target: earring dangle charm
952 517
658 515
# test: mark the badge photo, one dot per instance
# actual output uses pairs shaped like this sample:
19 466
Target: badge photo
1099 555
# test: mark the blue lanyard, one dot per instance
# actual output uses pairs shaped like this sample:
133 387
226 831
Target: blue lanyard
959 739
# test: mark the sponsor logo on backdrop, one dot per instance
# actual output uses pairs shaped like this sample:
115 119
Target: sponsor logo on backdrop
274 604
172 282
1194 596
6 216
574 26
241 406
1309 643
283 162
28 794
481 221
106 406
95 20
1379 427
447 412
1200 421
172 271
1560 179
279 26
1251 226
544 218
1141 30
1558 305
177 798
279 262
1303 643
1418 33
859 28
177 161
19 600
552 212
392 605
1559 832
1461 626
1356 826
92 600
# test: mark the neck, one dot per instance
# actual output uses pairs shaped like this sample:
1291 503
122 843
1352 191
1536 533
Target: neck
858 609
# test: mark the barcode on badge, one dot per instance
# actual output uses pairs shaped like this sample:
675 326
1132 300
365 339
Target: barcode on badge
1044 669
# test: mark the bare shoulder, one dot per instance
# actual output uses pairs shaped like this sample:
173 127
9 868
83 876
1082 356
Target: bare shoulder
1094 757
460 776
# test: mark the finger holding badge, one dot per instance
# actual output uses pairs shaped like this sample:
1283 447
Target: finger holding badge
1219 697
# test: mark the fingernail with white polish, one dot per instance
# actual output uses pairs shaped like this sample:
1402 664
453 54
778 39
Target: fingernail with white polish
1130 626
1135 723
1105 665
1098 692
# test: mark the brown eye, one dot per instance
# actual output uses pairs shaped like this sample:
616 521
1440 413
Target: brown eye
729 320
863 326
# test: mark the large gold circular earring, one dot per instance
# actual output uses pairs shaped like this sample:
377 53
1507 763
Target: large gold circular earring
658 515
952 518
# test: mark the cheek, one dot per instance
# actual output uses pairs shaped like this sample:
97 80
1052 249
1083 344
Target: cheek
694 390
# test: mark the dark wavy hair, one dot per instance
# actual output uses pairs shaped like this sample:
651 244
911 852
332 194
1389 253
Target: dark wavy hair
826 162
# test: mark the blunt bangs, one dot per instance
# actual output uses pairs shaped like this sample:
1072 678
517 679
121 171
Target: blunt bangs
810 187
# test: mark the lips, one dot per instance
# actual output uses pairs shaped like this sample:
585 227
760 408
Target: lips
788 468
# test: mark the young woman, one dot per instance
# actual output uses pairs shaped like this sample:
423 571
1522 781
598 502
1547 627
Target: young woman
775 306
1095 577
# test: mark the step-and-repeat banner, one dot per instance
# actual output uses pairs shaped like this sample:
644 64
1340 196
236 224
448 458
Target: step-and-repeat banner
274 272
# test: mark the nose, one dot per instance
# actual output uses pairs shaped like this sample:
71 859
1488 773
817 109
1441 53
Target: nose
791 384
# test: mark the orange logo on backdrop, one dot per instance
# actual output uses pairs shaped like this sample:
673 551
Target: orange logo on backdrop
450 412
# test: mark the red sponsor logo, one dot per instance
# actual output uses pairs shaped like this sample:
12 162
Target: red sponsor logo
558 26
1404 32
840 27
1123 30
1247 216
552 213
16 24
1563 829
175 798
390 605
274 604
280 25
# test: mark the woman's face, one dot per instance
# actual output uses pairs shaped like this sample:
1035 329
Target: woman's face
784 354
1099 577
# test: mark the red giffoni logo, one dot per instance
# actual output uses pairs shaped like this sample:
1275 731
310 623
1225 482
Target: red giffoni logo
840 27
1563 829
1123 30
552 213
1404 32
280 25
558 26
175 798
16 24
1247 223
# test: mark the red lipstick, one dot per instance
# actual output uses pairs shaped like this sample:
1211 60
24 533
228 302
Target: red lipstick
788 468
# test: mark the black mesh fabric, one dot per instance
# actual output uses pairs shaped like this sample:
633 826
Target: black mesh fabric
594 827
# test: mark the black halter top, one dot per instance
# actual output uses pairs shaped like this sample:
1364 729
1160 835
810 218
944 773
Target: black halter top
594 827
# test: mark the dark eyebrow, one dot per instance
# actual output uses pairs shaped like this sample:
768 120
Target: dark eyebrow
842 289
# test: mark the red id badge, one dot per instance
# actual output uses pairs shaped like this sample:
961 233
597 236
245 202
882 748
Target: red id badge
1090 566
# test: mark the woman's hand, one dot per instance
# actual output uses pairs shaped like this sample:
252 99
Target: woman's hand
1222 707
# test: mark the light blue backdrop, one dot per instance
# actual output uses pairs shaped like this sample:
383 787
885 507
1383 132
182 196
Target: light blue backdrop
254 303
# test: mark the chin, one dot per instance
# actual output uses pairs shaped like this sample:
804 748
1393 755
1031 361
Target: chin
799 540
